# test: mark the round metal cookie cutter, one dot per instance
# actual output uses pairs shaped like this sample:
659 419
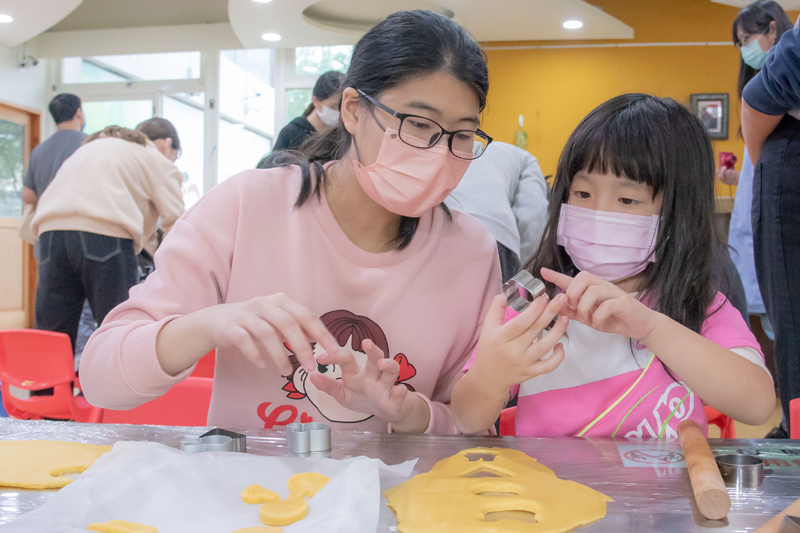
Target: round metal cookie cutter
310 437
522 289
741 471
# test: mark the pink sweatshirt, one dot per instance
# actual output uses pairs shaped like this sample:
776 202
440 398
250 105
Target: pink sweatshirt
423 306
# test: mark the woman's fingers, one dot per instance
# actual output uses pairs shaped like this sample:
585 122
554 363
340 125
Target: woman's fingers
344 359
545 366
389 372
545 318
519 325
374 355
542 347
497 311
290 331
245 343
270 343
310 323
328 385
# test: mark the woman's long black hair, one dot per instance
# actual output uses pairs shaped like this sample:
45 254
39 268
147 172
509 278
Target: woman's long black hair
406 45
655 141
755 19
327 85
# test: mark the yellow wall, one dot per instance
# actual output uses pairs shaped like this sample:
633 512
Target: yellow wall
555 88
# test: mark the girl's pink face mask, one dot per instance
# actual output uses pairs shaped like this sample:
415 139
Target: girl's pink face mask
612 246
408 181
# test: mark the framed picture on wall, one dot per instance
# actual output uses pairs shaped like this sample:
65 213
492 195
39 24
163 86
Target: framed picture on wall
712 109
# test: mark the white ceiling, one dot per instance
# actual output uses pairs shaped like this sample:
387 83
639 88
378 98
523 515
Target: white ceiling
487 20
31 17
788 5
110 14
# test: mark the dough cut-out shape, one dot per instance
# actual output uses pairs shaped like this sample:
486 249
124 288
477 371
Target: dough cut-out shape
307 484
257 494
295 506
37 464
284 512
121 526
260 529
448 500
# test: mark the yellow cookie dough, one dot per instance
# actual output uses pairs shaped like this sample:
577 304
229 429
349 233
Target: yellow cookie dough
284 512
459 492
36 464
260 529
258 494
121 526
307 484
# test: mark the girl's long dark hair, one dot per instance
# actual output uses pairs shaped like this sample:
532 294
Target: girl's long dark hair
327 85
755 19
406 45
655 141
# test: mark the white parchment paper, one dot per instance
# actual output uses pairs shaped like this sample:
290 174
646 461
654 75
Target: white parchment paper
177 492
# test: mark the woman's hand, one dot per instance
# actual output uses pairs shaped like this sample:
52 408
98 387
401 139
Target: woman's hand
728 176
603 306
509 354
368 390
259 327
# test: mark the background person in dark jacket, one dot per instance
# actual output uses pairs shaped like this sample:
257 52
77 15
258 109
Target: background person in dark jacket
319 116
771 128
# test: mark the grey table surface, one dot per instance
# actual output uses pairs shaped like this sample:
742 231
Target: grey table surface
655 496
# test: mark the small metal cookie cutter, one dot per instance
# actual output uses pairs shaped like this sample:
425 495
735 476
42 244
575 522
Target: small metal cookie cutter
522 289
216 440
310 437
741 471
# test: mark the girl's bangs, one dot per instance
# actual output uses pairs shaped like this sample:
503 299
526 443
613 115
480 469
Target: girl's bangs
622 144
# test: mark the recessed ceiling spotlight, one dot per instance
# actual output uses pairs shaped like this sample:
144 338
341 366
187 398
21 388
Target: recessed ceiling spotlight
5 19
271 37
263 1
573 24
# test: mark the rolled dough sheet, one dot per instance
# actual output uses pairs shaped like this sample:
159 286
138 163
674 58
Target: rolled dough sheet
121 526
37 464
459 492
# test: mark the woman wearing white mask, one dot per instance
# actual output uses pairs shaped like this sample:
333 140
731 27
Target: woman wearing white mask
320 116
338 288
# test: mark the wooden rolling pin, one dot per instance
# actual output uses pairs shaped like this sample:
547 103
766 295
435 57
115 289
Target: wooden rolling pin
709 489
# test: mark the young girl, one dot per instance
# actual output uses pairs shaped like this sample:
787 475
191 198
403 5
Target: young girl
642 334
361 240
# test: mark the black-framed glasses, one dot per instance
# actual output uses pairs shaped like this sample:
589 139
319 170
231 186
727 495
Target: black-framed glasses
422 132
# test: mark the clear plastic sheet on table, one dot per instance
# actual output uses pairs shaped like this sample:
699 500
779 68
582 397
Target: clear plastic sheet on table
651 498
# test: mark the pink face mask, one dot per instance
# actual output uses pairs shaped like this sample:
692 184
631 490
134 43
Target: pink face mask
612 246
408 181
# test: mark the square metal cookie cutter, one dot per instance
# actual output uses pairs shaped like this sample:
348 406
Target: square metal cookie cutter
216 440
310 437
522 289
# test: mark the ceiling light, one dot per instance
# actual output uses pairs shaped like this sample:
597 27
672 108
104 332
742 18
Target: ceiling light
238 126
5 19
263 1
573 24
271 37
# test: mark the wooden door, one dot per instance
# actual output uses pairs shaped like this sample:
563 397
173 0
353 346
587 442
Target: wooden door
19 134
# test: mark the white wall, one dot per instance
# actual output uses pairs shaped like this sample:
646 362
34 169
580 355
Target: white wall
28 86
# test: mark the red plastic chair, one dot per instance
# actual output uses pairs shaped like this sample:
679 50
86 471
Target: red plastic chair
507 418
727 429
205 366
34 360
794 418
186 404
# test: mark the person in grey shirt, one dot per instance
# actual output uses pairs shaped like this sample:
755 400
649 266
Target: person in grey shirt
46 159
504 189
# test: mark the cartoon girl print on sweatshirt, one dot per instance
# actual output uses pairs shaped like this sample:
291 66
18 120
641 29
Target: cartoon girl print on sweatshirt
350 331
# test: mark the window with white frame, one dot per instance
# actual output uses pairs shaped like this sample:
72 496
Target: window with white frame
221 103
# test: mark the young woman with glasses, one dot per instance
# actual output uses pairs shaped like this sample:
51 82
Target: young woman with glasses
355 233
